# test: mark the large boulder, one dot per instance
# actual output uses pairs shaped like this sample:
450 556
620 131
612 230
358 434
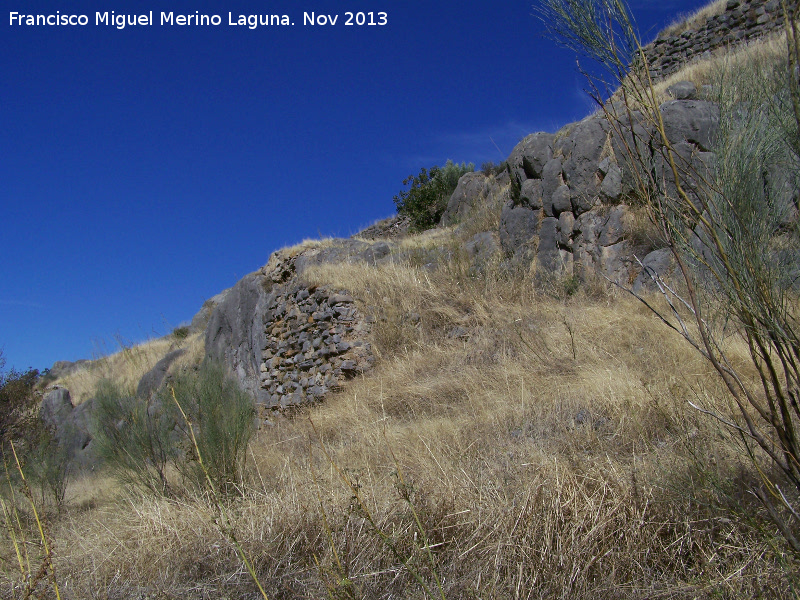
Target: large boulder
695 121
62 368
582 148
547 254
200 320
528 158
152 380
518 227
235 334
473 190
482 248
658 263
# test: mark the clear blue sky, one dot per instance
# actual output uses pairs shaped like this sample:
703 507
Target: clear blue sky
143 170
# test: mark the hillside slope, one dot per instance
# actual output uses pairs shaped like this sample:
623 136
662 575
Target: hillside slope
475 411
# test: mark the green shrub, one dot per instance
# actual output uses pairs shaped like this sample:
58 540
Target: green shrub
18 400
223 417
139 439
180 333
49 468
134 438
491 168
424 202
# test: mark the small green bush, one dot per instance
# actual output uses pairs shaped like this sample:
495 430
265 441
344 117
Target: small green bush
180 333
223 417
134 438
424 202
491 168
139 439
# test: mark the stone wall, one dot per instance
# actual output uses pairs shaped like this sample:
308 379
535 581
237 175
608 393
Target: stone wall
315 338
289 342
742 20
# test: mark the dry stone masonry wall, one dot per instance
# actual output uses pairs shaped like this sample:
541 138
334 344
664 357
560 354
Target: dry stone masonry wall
316 338
289 342
741 21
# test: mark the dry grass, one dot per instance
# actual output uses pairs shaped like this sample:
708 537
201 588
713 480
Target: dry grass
701 71
685 22
127 366
307 244
547 448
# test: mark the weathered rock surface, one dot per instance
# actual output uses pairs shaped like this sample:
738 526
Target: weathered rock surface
200 320
152 380
70 425
658 263
393 227
571 213
472 190
62 368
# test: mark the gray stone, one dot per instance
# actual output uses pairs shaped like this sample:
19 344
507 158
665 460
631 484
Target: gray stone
482 247
518 226
200 320
152 380
235 334
472 191
528 158
582 148
658 262
547 255
614 262
611 187
695 121
566 221
531 194
376 252
552 179
62 368
340 299
614 227
56 407
683 90
70 426
561 201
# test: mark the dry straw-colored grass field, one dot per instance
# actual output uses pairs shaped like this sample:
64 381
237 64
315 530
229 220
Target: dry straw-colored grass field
512 442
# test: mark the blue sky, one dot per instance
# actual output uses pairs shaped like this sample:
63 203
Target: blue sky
145 169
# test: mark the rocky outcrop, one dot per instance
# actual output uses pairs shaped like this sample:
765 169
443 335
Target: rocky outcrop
152 380
200 320
62 368
70 426
473 189
393 227
571 212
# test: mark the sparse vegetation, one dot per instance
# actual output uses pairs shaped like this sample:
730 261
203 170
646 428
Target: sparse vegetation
562 425
181 333
425 200
685 22
223 415
490 168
